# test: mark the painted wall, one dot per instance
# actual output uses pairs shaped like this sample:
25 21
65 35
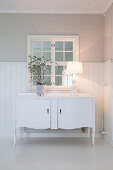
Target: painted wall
108 34
14 29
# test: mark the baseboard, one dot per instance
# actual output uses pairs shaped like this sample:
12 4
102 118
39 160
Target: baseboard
108 140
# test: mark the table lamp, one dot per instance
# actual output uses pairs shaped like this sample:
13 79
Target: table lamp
74 67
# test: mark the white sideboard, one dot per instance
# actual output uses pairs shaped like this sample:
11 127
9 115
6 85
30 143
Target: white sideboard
54 112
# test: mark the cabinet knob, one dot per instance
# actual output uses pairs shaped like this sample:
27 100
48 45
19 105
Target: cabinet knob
60 111
47 111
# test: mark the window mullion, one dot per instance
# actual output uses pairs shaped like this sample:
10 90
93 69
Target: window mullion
53 63
42 54
63 51
31 74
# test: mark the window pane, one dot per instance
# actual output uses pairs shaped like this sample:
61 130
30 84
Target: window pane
68 46
47 80
47 56
37 54
59 45
46 45
58 80
37 45
68 56
58 56
58 70
47 70
34 80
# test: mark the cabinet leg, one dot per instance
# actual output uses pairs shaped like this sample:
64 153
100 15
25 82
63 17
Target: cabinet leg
21 132
93 136
88 132
14 140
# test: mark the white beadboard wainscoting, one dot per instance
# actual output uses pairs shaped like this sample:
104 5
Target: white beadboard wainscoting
91 81
108 100
13 79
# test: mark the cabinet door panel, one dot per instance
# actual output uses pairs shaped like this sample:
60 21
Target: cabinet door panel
33 113
74 113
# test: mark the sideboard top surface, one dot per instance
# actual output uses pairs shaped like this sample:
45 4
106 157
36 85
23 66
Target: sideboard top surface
54 95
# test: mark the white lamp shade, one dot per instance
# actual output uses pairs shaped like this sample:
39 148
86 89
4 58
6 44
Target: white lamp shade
74 67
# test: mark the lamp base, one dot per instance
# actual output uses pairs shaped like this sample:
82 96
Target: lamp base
74 94
74 86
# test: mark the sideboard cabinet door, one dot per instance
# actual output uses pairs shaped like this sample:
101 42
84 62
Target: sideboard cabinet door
75 113
33 113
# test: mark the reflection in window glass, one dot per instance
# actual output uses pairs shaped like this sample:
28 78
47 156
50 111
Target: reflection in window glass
67 80
37 54
37 45
58 80
46 45
34 80
58 70
68 56
47 70
58 56
68 46
47 56
47 80
59 46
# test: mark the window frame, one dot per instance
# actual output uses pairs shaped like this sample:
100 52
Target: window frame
53 39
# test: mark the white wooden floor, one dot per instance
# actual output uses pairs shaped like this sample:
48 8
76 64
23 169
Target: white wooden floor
56 154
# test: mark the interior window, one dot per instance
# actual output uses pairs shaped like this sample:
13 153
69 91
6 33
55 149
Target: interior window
57 51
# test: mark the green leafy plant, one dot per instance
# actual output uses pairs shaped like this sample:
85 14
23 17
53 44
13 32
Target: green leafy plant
37 67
